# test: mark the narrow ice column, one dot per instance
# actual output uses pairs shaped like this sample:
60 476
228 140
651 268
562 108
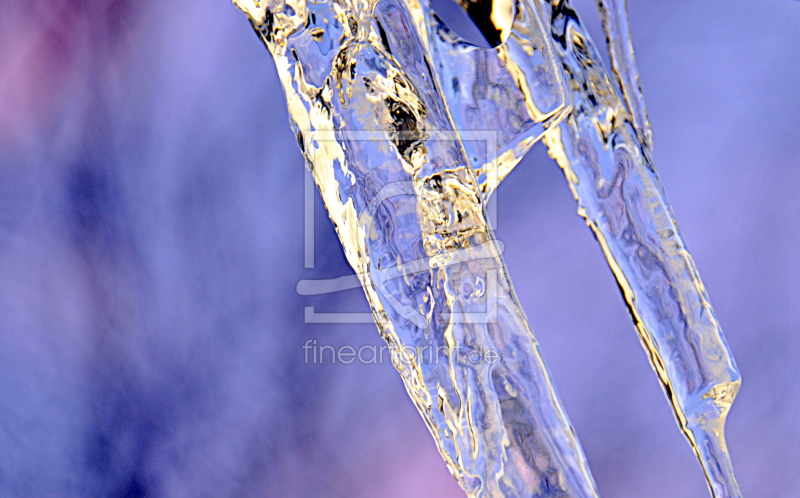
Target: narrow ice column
614 16
611 174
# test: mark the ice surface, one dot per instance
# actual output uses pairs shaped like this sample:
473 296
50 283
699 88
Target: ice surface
408 129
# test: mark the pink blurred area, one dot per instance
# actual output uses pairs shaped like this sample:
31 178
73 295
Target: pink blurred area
151 239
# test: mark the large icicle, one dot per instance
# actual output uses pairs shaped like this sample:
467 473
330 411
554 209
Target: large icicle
393 175
406 199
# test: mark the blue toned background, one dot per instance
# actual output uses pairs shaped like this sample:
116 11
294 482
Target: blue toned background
151 238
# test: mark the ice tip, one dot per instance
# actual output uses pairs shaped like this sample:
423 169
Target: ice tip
256 10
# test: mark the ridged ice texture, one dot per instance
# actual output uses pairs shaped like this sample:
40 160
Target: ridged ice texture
515 90
610 172
406 204
614 15
603 147
363 100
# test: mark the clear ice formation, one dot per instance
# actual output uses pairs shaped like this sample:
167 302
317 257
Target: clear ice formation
377 134
392 112
614 16
611 175
515 90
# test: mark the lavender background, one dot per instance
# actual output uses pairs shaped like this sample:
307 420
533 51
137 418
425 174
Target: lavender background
151 209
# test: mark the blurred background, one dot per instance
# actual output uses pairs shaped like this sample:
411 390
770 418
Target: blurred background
151 239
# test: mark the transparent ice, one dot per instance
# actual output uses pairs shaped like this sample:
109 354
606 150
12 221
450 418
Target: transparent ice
408 129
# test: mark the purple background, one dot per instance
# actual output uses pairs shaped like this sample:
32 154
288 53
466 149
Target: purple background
151 209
